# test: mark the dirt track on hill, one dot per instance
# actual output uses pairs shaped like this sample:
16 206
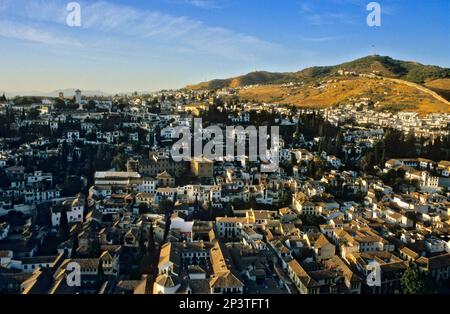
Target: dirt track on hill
421 88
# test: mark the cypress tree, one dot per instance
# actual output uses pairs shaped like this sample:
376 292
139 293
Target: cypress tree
151 244
64 229
100 273
75 246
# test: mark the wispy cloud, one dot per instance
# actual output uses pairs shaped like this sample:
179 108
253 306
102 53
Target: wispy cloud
321 39
19 31
306 7
5 4
150 27
179 30
203 3
313 11
319 19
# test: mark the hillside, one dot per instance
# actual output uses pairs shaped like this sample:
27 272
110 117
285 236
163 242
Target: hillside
440 86
381 65
387 94
244 80
392 84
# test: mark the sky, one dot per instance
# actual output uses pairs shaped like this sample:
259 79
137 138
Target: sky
148 45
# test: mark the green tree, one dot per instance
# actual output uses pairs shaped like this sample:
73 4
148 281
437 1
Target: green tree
415 282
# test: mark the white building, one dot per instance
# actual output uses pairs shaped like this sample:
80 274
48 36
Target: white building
74 208
148 185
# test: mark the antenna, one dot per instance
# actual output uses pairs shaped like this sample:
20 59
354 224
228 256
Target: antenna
374 52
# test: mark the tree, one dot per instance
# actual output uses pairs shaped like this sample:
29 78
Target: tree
4 182
34 114
339 140
142 247
15 218
64 229
100 273
90 105
311 220
298 132
393 143
59 104
151 242
415 282
410 146
367 162
91 136
119 162
435 150
253 204
75 246
379 151
143 209
72 185
166 206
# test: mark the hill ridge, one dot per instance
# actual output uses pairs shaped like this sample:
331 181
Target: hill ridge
381 65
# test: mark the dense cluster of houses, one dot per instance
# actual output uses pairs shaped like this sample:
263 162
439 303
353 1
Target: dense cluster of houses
210 227
431 125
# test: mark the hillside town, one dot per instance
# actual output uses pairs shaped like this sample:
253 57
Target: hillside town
92 202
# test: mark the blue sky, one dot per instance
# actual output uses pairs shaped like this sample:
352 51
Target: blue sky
124 46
